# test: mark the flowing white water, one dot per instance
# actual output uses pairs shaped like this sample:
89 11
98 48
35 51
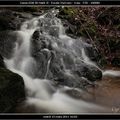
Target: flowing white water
111 73
40 92
87 60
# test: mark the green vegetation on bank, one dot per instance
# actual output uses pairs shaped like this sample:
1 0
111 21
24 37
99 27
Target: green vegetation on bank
99 24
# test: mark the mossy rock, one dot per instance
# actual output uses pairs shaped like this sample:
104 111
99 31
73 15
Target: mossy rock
12 91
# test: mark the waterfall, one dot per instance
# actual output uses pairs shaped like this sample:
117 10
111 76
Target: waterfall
41 92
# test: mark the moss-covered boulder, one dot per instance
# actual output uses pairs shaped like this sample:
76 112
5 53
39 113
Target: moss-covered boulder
12 90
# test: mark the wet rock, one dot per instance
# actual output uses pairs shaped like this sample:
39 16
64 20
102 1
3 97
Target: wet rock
94 74
60 57
54 31
42 59
37 13
24 15
51 13
12 90
40 52
7 43
89 72
36 35
39 42
71 81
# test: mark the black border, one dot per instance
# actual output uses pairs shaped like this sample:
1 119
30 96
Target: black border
55 2
60 116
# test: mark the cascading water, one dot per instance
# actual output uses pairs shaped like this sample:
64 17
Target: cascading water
38 66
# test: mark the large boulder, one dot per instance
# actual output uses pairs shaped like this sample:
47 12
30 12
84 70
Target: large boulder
12 91
89 72
57 63
60 57
75 81
2 62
